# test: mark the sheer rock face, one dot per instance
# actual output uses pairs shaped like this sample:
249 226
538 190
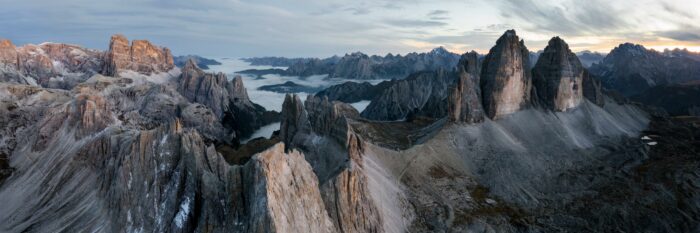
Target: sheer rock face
505 77
422 93
558 76
141 56
592 89
284 194
464 101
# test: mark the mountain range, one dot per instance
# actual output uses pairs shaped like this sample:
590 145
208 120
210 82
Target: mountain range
123 140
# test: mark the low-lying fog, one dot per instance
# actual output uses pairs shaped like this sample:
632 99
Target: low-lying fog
273 100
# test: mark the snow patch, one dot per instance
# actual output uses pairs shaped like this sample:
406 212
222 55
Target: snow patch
181 216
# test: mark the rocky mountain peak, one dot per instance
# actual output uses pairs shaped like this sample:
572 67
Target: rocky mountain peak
190 65
470 63
239 93
505 77
141 56
439 51
558 76
629 49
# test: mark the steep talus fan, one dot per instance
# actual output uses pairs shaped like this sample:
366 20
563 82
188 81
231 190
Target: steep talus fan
505 77
557 77
464 101
141 56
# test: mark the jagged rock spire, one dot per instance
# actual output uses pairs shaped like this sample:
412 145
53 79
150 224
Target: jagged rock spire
558 77
464 101
505 79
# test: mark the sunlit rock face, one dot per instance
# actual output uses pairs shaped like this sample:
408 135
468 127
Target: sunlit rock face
284 194
505 77
141 56
557 77
464 101
421 93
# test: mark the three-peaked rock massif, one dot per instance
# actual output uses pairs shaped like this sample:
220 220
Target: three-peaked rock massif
499 85
488 145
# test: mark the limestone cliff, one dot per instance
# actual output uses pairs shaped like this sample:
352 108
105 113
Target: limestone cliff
140 56
505 77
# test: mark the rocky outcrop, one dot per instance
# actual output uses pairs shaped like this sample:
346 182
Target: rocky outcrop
422 93
557 77
505 77
141 57
464 101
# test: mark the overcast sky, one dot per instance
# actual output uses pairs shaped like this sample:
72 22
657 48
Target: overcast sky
241 28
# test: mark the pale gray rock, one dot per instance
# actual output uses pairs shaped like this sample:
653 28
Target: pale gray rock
505 77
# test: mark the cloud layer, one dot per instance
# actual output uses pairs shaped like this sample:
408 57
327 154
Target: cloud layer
324 27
